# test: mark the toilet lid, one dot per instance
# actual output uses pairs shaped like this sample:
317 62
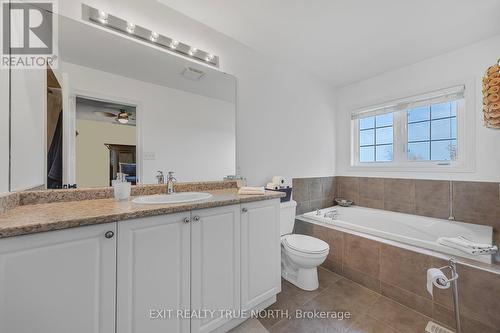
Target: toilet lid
306 244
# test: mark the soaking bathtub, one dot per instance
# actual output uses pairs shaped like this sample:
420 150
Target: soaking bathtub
413 230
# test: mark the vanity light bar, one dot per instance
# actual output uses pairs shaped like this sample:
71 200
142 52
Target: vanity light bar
109 21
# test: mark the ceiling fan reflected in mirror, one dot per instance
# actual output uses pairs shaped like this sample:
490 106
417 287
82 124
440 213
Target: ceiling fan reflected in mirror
122 116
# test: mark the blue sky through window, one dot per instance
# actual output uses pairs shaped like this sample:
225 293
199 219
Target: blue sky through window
376 138
432 132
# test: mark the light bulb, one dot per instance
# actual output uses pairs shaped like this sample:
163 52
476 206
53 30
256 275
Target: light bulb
192 51
209 57
103 17
123 121
174 44
154 36
130 27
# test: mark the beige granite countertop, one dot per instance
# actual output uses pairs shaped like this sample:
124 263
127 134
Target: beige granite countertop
29 219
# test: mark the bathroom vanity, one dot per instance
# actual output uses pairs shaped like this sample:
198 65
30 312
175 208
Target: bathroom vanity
123 267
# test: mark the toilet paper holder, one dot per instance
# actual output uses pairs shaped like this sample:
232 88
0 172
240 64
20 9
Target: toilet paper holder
452 266
453 282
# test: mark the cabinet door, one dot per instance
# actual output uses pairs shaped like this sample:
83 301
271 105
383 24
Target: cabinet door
153 274
260 252
215 266
59 281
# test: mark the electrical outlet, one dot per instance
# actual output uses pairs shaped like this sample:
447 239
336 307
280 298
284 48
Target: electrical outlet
149 156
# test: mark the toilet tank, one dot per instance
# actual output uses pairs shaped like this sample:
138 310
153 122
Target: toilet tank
287 217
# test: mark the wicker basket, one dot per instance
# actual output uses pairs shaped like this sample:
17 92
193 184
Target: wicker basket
491 96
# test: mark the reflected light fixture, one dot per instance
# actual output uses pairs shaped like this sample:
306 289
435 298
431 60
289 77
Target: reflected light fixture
103 17
126 27
122 117
173 44
154 37
130 27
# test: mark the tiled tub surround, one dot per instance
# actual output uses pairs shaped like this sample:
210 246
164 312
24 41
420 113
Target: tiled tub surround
313 193
400 274
472 202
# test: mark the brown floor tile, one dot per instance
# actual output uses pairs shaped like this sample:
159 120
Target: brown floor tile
411 300
289 299
292 297
397 316
446 317
367 324
327 278
342 296
333 266
363 279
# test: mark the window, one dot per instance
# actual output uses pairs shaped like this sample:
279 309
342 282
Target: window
420 131
376 138
432 132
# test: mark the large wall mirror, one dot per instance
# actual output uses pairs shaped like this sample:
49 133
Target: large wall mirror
117 104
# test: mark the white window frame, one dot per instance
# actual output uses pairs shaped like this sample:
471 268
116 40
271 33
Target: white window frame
465 161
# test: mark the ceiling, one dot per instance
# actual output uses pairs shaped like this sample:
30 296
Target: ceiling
345 41
101 111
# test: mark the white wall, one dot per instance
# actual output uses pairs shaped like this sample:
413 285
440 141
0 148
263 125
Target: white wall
190 134
461 65
4 131
285 117
28 117
92 156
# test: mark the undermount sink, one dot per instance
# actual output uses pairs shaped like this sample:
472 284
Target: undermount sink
171 198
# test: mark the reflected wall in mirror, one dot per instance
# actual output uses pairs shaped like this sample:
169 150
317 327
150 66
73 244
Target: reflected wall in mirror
115 104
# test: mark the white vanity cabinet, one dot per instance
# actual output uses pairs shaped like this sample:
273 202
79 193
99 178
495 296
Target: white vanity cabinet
215 265
260 252
156 270
59 281
153 265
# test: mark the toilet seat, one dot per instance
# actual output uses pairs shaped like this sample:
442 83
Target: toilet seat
305 244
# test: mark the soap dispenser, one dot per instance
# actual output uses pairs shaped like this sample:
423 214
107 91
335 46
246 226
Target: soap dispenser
121 187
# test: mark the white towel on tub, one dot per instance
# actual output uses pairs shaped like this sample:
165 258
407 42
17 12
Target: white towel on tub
467 246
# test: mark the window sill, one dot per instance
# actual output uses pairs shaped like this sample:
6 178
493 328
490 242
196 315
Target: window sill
413 167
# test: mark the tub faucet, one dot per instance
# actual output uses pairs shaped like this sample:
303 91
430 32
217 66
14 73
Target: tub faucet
170 182
159 177
333 214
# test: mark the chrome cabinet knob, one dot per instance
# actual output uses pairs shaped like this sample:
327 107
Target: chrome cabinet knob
244 210
186 220
109 234
196 218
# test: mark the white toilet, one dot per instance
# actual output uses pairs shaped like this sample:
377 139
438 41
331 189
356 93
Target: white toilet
300 254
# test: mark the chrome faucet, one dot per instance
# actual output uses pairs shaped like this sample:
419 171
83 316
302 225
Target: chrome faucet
160 178
333 214
170 182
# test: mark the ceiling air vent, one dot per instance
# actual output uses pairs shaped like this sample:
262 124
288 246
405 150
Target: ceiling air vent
193 74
